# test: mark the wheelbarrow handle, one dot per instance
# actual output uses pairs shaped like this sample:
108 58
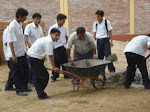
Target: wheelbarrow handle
65 73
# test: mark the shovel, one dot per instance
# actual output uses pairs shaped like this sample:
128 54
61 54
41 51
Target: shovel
112 58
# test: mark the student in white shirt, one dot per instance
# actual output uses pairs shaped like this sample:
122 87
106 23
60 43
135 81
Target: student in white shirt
32 32
37 52
60 55
19 64
134 52
103 34
6 49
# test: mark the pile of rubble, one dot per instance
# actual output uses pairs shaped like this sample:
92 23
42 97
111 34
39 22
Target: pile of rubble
119 77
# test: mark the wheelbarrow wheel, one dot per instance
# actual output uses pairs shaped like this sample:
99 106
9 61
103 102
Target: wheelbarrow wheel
97 84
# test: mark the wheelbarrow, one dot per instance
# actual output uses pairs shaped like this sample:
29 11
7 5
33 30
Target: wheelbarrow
87 69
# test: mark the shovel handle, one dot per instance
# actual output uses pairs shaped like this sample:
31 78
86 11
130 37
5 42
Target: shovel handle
147 56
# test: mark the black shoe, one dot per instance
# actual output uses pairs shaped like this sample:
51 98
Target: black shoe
21 93
28 90
10 89
125 86
147 86
45 97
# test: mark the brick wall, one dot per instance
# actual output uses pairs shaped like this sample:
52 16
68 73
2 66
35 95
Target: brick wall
47 8
142 16
82 13
3 25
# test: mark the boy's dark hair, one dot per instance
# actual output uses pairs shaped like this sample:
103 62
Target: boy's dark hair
55 30
36 15
148 34
80 30
21 12
61 16
100 12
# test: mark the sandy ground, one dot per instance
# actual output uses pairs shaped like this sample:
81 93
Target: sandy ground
109 99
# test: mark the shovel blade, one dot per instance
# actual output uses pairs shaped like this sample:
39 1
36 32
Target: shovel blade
112 58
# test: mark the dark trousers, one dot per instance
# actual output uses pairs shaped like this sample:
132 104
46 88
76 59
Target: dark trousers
31 75
10 82
41 75
60 57
134 60
20 71
103 49
77 56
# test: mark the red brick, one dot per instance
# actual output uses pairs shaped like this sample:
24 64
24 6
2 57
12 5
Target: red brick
82 13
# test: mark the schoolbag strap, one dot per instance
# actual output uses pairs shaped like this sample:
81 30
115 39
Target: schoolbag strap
106 27
96 26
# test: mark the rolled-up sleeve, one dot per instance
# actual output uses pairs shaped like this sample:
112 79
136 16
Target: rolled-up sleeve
91 40
94 27
48 48
109 26
26 31
5 37
70 41
65 31
11 37
42 33
148 43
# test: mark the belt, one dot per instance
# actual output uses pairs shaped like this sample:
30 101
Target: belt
60 47
103 39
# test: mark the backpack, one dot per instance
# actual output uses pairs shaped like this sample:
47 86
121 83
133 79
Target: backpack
105 26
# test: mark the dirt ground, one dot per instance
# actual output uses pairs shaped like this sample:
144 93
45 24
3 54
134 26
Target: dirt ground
109 99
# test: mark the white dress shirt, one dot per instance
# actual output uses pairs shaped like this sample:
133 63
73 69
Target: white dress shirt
33 32
15 35
81 46
101 31
6 47
41 47
63 33
138 45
